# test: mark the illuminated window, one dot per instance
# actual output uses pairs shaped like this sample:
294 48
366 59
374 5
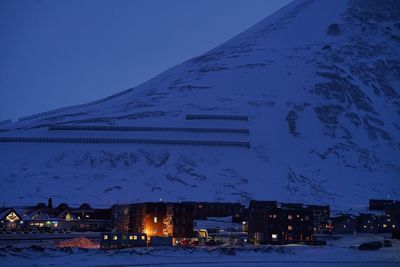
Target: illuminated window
290 217
274 237
290 228
344 226
135 237
365 226
143 237
393 226
274 216
155 219
68 217
115 237
384 226
12 217
105 237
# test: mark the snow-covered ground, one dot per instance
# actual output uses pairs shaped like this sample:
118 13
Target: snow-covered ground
339 252
319 81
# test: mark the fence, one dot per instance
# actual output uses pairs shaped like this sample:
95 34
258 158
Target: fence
216 117
123 141
145 129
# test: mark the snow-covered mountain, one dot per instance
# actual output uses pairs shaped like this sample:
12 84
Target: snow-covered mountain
318 80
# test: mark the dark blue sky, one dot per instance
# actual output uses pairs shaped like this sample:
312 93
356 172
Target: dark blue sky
56 53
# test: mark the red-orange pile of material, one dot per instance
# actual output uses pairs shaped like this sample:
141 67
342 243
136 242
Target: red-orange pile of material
78 242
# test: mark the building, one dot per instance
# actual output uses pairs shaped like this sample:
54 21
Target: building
46 218
90 219
154 219
10 219
394 213
122 240
344 224
379 204
367 223
279 223
321 216
204 210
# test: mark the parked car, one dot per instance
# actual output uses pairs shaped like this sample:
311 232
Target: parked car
374 245
387 243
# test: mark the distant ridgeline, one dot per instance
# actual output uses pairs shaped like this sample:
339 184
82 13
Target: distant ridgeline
114 140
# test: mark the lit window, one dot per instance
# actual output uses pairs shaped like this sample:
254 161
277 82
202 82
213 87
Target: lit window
68 217
344 226
12 217
274 237
393 226
290 228
274 216
155 219
115 237
105 237
298 215
365 226
135 237
143 237
290 217
384 226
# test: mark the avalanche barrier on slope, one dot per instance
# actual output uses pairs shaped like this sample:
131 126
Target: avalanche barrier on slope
123 141
146 129
216 117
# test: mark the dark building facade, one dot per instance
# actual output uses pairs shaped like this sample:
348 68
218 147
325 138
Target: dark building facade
367 223
380 204
394 213
344 224
321 216
278 223
204 210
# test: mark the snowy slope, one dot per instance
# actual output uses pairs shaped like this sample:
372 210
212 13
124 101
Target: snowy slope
319 81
